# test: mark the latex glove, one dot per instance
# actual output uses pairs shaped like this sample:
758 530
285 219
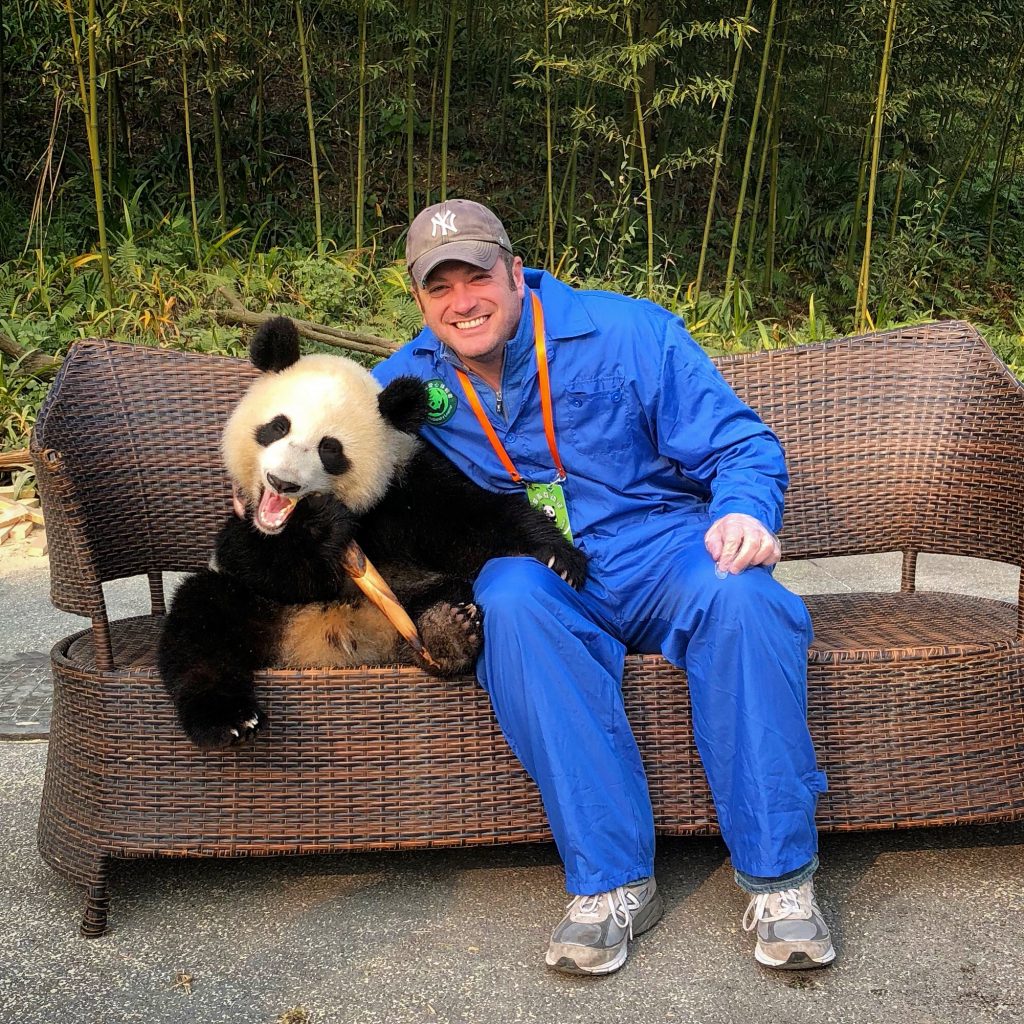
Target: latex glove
737 540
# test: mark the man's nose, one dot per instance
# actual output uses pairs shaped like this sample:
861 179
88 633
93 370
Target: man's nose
463 299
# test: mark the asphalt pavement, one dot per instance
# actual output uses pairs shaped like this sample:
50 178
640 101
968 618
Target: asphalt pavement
927 922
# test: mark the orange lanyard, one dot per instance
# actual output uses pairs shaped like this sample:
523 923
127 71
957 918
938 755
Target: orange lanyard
545 401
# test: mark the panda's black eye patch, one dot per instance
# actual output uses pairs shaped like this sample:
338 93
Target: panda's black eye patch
273 431
332 455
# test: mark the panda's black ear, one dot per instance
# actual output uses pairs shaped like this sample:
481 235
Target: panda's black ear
403 403
275 345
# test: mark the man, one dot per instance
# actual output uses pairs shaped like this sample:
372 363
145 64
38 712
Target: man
616 422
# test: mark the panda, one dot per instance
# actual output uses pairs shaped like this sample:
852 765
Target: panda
320 455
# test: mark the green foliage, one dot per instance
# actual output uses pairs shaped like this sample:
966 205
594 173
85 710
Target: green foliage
21 395
621 102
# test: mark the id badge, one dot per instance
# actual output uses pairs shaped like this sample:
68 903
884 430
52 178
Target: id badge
550 499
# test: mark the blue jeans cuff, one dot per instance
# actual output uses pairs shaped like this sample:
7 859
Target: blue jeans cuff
792 880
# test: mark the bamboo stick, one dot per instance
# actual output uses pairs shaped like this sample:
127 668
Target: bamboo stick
188 134
861 317
720 156
311 126
88 98
361 128
446 95
645 160
738 219
549 139
410 112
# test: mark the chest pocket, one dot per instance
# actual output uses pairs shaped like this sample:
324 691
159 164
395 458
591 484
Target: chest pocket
600 414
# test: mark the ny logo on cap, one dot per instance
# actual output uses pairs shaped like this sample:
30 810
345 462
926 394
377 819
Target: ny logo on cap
445 221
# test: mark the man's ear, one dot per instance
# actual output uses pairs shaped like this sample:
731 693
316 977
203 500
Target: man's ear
275 346
518 278
403 403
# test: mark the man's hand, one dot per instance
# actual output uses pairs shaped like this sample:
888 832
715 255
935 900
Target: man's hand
736 541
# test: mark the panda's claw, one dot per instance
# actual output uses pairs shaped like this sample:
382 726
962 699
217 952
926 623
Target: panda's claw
566 562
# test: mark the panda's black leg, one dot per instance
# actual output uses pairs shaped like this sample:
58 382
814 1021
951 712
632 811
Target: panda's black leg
216 635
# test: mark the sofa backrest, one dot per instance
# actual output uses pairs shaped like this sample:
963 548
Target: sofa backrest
903 440
911 439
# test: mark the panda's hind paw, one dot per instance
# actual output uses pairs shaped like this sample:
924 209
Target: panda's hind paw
453 634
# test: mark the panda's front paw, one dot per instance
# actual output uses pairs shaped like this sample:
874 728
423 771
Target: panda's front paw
568 562
329 522
453 634
222 721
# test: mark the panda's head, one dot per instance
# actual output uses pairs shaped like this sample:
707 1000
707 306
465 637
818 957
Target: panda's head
318 424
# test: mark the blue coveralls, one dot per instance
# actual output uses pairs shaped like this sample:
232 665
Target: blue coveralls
657 447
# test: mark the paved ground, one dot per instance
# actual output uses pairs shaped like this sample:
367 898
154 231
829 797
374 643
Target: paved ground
927 922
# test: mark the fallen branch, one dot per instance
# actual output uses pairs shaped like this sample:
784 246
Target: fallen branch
30 362
15 460
371 344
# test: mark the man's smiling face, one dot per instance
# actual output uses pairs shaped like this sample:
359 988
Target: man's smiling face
473 311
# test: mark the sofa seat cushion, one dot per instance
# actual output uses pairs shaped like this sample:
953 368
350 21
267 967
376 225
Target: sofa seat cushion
907 627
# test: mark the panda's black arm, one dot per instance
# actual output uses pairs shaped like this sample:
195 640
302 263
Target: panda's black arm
452 525
302 564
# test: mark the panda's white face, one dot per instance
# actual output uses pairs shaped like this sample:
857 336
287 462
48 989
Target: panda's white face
313 428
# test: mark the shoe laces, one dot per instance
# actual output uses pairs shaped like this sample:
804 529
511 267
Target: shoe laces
795 902
622 905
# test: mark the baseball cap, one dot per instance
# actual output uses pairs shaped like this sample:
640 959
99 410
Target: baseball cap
457 229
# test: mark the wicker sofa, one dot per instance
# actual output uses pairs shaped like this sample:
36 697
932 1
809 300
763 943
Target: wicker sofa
910 440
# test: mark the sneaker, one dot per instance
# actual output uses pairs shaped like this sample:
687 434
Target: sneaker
593 937
791 933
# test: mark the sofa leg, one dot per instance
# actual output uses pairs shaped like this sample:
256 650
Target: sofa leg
97 899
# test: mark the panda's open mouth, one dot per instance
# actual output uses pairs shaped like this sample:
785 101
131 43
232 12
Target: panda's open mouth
273 511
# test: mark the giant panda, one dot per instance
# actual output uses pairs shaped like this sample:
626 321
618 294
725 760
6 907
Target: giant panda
319 454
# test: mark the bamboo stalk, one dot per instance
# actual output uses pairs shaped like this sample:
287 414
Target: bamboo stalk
861 317
361 129
122 112
894 221
979 141
1004 139
410 111
769 133
111 130
773 204
446 95
431 131
549 139
218 139
311 126
188 134
88 98
720 156
862 174
645 160
3 79
738 219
